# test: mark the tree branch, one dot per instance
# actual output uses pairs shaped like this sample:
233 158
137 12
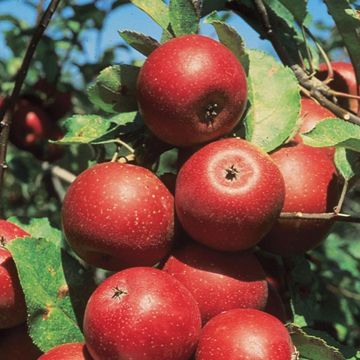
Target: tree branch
8 108
316 88
320 216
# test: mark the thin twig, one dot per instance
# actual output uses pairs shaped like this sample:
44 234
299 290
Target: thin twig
7 110
317 88
320 216
342 197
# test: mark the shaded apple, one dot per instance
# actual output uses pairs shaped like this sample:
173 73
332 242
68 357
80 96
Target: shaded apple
219 281
242 334
12 301
141 313
68 351
228 194
344 80
312 186
16 344
118 215
191 90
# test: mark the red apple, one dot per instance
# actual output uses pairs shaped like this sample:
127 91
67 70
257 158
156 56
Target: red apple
312 186
344 80
141 313
16 344
219 281
56 103
32 128
12 302
190 90
243 334
228 195
118 215
68 351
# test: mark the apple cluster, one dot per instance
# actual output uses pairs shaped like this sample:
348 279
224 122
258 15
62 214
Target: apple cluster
196 271
35 120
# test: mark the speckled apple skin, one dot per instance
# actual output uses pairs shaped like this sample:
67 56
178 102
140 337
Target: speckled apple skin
154 317
68 351
344 80
180 79
118 215
12 302
312 186
226 214
219 281
244 334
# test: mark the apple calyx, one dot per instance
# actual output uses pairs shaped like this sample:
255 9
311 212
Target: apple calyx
211 112
231 173
118 293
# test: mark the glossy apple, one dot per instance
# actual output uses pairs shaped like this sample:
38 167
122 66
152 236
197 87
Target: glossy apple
228 194
191 90
12 302
344 80
242 334
68 351
312 186
141 313
16 344
118 215
217 280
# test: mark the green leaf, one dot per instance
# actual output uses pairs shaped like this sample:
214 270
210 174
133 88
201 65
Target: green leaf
208 6
312 347
39 228
229 37
156 9
84 129
114 90
297 9
347 162
274 102
168 162
48 294
184 16
142 43
349 29
334 132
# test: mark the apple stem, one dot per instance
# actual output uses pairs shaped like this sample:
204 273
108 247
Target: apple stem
118 293
340 203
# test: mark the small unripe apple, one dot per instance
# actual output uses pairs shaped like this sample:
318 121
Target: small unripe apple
228 194
12 301
68 351
217 280
16 344
191 90
312 186
141 313
344 80
242 334
118 215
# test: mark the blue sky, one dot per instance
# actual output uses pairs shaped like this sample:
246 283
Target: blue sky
129 17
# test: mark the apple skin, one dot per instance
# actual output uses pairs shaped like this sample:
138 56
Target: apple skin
12 301
141 313
31 129
242 334
16 344
344 81
68 351
118 215
228 195
219 281
191 90
312 186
